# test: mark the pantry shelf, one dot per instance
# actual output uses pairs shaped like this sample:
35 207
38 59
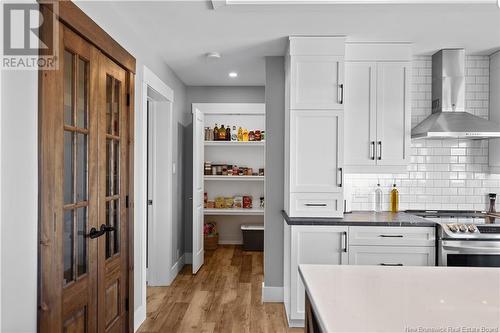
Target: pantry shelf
235 143
235 178
233 211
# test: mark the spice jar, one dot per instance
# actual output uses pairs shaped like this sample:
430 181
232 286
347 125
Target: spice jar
208 168
258 136
261 202
251 136
261 172
262 135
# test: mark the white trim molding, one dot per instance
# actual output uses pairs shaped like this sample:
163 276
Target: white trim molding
272 294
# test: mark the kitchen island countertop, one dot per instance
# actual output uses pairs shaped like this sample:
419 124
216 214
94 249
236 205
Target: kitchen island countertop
364 218
403 299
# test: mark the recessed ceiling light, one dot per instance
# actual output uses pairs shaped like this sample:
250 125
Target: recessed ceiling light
213 55
233 74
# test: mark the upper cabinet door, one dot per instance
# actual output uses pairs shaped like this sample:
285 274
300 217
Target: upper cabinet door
360 113
393 117
316 151
317 82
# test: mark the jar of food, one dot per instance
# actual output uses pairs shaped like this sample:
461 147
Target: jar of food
262 135
208 168
249 172
238 201
210 204
224 170
229 202
214 170
261 172
251 136
247 201
261 202
258 136
219 170
220 203
235 170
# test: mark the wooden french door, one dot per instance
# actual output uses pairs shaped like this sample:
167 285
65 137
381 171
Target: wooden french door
84 274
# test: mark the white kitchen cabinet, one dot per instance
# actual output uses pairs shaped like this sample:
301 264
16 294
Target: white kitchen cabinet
377 112
494 144
393 113
316 151
392 255
317 82
392 236
310 245
314 126
360 114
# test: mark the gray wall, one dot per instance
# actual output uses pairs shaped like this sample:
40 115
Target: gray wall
208 94
275 133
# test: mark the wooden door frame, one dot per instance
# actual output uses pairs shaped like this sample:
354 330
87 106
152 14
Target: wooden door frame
49 300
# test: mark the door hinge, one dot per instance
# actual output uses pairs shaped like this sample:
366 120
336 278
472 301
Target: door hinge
128 99
126 304
126 201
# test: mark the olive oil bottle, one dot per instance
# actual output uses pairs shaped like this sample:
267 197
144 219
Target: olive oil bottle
394 199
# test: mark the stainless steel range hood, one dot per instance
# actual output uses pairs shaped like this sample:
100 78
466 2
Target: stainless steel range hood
449 118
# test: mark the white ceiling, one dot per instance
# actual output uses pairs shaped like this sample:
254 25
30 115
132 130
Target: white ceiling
183 31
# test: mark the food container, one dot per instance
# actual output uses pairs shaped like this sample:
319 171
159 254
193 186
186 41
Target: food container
220 203
229 202
235 170
208 168
238 201
210 204
261 202
258 136
261 172
249 172
247 201
214 170
262 135
219 170
251 136
224 170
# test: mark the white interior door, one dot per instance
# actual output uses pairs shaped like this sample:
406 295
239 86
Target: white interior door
198 188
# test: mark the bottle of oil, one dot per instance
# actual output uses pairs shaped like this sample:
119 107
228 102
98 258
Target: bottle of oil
222 133
394 199
240 134
216 133
228 133
245 134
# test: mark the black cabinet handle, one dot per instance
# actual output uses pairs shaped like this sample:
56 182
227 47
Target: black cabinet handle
315 205
391 236
341 176
372 149
380 150
341 94
344 240
384 264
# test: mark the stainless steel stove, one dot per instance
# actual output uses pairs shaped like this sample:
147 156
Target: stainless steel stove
466 238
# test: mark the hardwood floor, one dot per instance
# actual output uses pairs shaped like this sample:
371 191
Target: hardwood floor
225 296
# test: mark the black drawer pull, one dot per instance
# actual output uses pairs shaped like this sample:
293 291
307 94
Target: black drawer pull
385 264
391 236
315 205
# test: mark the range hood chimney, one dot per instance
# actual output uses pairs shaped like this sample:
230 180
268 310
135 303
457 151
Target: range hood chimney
449 118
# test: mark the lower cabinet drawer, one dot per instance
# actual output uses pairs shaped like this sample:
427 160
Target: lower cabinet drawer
393 236
392 255
316 205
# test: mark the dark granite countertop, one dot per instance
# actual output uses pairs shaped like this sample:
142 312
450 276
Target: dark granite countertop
383 219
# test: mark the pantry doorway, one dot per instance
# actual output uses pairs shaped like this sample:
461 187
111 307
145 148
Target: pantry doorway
159 182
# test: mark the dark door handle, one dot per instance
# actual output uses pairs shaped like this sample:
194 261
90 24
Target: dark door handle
107 228
380 150
94 233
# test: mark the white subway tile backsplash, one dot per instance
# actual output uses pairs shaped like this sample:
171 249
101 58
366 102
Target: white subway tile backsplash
442 174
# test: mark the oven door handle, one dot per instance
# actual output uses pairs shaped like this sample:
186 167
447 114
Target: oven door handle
471 249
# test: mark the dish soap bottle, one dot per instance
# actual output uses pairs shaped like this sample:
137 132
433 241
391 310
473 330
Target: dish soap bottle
394 199
378 198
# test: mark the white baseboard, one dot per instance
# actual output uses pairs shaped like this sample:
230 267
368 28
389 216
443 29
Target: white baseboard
188 258
176 268
296 323
230 242
139 317
272 294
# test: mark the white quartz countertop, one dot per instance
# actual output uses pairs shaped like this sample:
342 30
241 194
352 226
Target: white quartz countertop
403 299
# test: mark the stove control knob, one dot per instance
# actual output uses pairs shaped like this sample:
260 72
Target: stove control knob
453 227
462 228
472 228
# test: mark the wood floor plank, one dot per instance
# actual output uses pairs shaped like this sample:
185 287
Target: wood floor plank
224 296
